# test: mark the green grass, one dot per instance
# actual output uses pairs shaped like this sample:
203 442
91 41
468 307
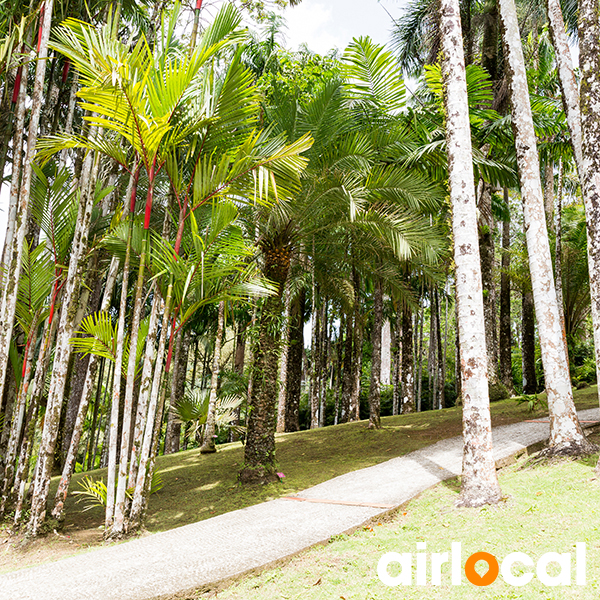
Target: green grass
198 486
547 508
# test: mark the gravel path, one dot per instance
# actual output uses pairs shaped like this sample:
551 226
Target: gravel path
182 559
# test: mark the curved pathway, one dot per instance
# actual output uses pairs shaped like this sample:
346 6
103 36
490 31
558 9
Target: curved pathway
183 559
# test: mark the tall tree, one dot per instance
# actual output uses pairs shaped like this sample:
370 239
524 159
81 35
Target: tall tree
479 479
566 435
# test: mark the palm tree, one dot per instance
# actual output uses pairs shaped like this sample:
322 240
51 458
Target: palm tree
479 480
566 435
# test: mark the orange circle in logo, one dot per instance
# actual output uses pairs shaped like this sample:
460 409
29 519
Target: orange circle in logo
492 573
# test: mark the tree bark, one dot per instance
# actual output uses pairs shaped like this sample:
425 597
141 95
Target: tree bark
283 370
347 371
408 361
62 353
15 256
259 454
505 338
396 363
566 435
386 353
479 480
208 443
294 363
488 269
375 386
587 158
528 344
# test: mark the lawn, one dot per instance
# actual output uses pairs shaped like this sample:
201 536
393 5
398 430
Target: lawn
197 487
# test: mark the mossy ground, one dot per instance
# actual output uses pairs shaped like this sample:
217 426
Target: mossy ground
198 487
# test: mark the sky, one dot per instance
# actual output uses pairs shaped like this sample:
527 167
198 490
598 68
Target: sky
323 25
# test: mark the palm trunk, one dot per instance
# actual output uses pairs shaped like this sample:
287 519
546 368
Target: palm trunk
375 386
85 397
208 443
315 348
587 159
259 454
17 162
386 353
347 371
505 339
440 363
421 317
479 480
153 414
407 375
62 355
528 344
486 252
294 362
283 368
397 334
566 435
14 255
357 352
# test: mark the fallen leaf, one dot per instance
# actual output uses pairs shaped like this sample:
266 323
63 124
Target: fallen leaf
318 582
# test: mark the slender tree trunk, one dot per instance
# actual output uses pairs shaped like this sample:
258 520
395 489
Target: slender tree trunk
294 363
208 443
397 334
528 344
386 353
505 320
62 354
421 317
145 384
347 371
488 269
357 371
15 254
89 464
479 480
315 353
441 366
17 162
587 158
152 421
283 368
566 435
375 387
408 378
173 431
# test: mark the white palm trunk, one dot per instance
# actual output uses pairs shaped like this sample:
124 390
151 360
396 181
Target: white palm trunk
138 501
86 395
145 385
585 131
15 252
62 353
566 434
208 443
479 481
283 361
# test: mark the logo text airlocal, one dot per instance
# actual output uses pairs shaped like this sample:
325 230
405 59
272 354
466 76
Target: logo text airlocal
569 571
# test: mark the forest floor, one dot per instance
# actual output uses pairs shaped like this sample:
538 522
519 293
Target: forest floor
198 487
548 507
